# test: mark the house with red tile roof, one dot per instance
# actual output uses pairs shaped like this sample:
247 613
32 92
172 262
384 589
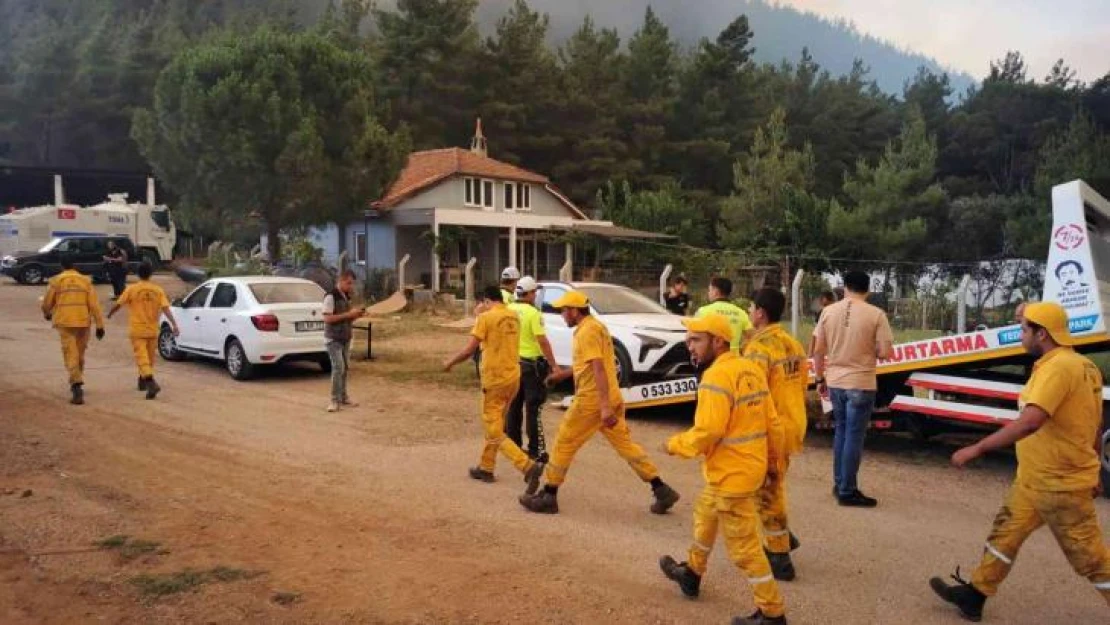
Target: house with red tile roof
448 206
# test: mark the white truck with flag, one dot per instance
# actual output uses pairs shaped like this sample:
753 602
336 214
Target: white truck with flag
149 226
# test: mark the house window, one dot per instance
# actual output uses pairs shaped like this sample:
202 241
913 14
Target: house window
487 193
360 247
472 192
518 196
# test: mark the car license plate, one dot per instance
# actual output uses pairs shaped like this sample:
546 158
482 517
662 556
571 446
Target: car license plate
674 388
308 326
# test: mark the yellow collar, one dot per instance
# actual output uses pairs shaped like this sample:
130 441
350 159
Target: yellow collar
1050 355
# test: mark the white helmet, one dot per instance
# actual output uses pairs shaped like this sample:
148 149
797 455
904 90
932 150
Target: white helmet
527 284
510 273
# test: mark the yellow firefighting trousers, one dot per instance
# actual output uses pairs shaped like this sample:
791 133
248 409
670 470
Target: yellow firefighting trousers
145 350
772 512
578 426
495 402
1071 517
738 519
74 343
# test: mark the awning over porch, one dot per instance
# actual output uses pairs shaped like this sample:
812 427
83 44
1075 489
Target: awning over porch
521 221
610 231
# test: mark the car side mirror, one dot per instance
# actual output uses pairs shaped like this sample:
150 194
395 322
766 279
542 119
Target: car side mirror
177 303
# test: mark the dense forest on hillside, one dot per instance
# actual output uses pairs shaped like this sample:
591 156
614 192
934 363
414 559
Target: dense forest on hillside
781 32
238 104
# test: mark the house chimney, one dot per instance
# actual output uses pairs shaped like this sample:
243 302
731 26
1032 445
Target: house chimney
478 143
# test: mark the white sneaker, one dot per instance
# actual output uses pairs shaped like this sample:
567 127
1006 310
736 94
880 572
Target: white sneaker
333 407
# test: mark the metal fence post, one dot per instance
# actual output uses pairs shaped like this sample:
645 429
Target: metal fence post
796 302
468 287
566 272
663 277
401 271
961 304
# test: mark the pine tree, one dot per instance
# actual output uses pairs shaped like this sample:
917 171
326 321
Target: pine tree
892 204
428 51
650 91
771 197
716 116
522 95
1078 152
275 123
593 150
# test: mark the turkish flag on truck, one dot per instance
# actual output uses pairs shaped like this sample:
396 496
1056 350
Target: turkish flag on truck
67 213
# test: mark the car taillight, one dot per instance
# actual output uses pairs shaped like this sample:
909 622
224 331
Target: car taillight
265 323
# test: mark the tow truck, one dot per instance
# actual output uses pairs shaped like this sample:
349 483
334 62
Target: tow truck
971 381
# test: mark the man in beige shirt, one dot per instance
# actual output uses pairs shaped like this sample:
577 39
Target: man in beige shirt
851 337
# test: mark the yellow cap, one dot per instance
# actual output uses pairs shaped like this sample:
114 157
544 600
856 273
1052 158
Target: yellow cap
716 325
1052 317
572 299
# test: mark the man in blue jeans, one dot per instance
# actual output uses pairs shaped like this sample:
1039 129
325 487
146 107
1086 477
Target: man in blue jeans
850 338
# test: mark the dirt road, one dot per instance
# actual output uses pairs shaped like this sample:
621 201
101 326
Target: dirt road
269 510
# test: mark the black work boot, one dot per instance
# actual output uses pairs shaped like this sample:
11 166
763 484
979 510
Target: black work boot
152 388
481 475
665 498
781 566
542 502
759 618
532 478
962 595
681 574
77 394
142 384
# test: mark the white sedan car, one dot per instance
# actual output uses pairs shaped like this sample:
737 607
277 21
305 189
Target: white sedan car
649 341
248 322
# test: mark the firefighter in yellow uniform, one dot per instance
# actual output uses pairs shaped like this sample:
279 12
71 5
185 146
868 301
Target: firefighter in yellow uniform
145 303
597 405
1057 436
738 432
783 361
497 331
70 302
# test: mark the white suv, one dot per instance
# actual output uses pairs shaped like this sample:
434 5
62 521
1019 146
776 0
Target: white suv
649 341
248 322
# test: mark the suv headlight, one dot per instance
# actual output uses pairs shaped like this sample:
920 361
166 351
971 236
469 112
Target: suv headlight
648 343
8 261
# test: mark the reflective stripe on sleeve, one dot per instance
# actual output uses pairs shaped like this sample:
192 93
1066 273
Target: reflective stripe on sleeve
743 399
702 548
713 388
998 554
740 440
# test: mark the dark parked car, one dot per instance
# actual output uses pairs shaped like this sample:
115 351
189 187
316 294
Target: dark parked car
88 255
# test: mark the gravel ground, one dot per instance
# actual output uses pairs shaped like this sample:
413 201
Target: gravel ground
266 509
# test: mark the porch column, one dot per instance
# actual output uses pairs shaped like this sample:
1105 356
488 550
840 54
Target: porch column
566 273
435 256
536 254
512 246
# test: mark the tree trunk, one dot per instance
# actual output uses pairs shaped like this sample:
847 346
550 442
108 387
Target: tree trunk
273 241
